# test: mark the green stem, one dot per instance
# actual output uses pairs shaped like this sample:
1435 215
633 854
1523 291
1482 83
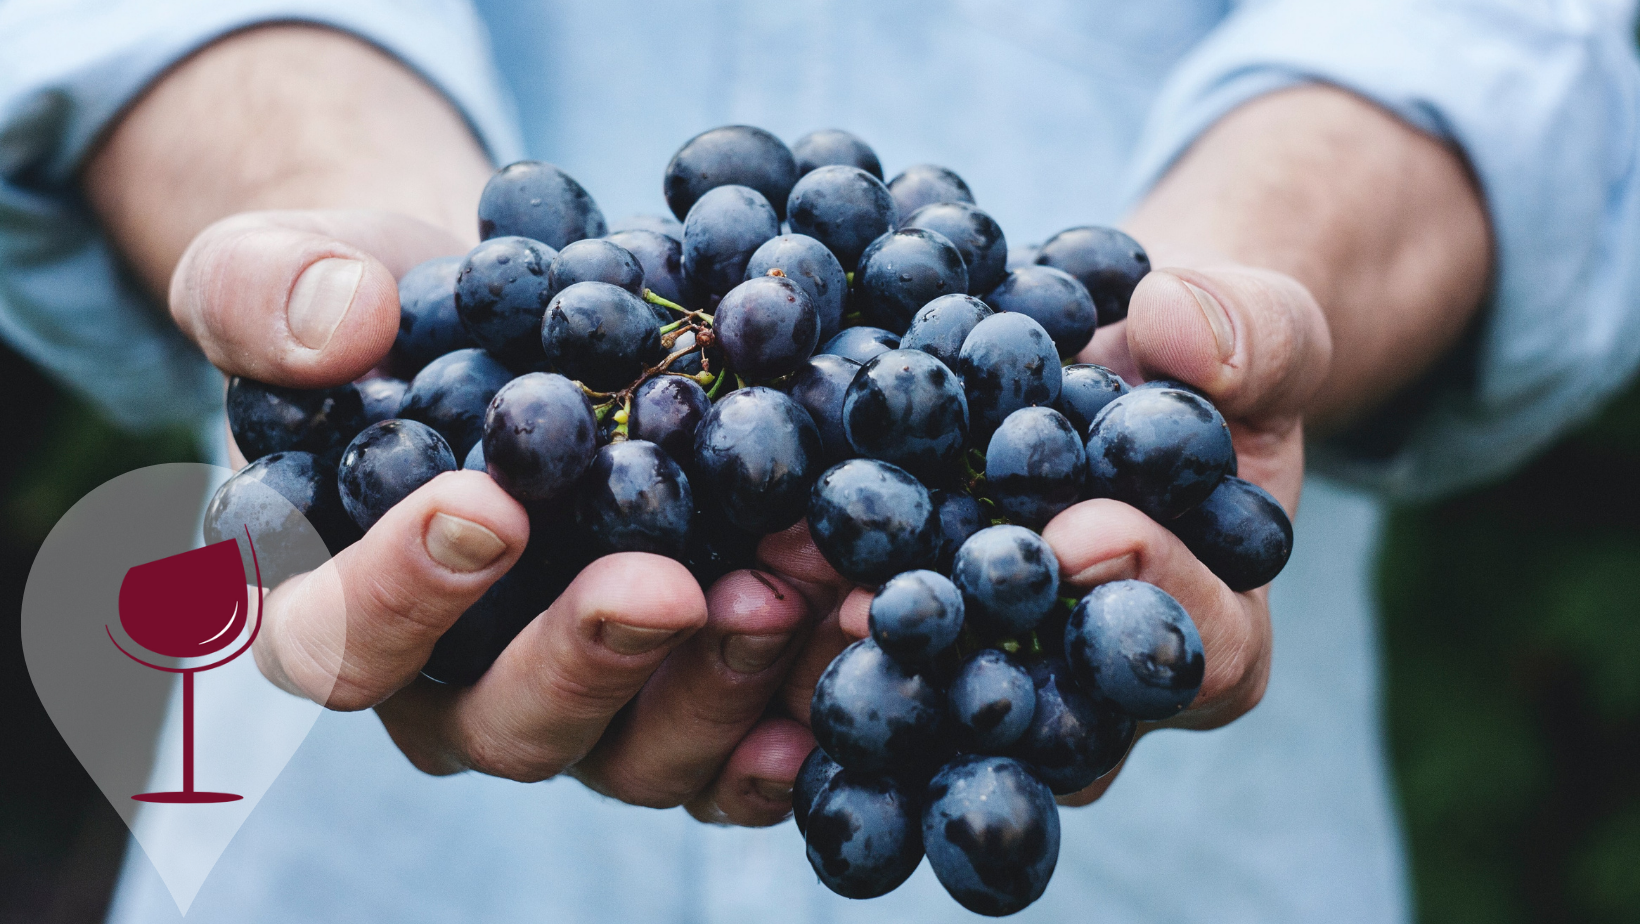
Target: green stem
717 387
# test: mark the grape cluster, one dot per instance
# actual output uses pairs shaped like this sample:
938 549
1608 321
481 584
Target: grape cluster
803 340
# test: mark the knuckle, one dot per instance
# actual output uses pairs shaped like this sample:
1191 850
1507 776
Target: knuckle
508 758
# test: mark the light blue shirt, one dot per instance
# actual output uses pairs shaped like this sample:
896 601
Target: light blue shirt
1057 113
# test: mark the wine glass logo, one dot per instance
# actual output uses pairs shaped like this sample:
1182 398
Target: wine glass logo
188 606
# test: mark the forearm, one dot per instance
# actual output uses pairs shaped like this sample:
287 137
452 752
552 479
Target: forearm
280 117
1383 224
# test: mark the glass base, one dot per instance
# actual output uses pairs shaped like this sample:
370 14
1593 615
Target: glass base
186 798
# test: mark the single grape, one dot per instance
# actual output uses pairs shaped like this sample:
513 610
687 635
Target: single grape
940 327
1133 646
1009 578
1106 261
991 701
1240 533
816 772
666 410
844 208
538 201
926 184
267 418
661 258
660 224
767 327
451 394
1084 391
861 343
904 270
382 397
594 260
1035 466
540 435
864 835
916 616
833 146
976 235
756 455
991 831
808 263
475 459
960 516
385 463
872 715
473 642
1073 739
635 498
905 407
1173 384
724 228
819 386
600 335
250 498
429 326
1162 450
733 155
872 520
718 546
1055 300
1007 362
501 296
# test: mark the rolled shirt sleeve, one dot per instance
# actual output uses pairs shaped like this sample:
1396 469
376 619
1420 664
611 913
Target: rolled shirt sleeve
1543 98
67 70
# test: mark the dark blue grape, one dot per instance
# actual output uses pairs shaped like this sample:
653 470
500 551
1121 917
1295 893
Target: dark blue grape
960 516
904 270
385 463
766 327
597 260
991 831
916 616
539 436
635 498
1007 362
872 715
1084 391
733 155
833 146
872 520
808 263
1009 578
864 835
1170 383
1106 261
907 408
756 455
991 701
429 326
661 258
1055 300
1073 739
282 530
473 642
819 386
940 327
726 226
816 772
844 208
666 410
718 546
926 184
538 201
382 397
861 343
269 418
660 224
976 235
1130 644
475 459
451 395
501 296
1035 466
1162 450
1240 533
600 335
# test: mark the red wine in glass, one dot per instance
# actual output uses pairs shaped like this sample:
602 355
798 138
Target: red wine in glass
189 606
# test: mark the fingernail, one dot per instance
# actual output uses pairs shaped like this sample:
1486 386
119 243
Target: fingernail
461 545
1217 318
320 299
631 640
1111 569
773 791
749 654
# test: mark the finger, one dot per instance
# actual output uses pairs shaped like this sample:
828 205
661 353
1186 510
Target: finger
1104 540
755 787
303 299
854 616
825 642
792 554
1109 348
361 626
669 744
549 697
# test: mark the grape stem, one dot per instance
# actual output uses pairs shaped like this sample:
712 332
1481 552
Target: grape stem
699 317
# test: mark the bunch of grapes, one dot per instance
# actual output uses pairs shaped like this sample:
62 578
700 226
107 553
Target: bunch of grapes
809 342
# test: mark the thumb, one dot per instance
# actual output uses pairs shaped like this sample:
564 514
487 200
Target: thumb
301 299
